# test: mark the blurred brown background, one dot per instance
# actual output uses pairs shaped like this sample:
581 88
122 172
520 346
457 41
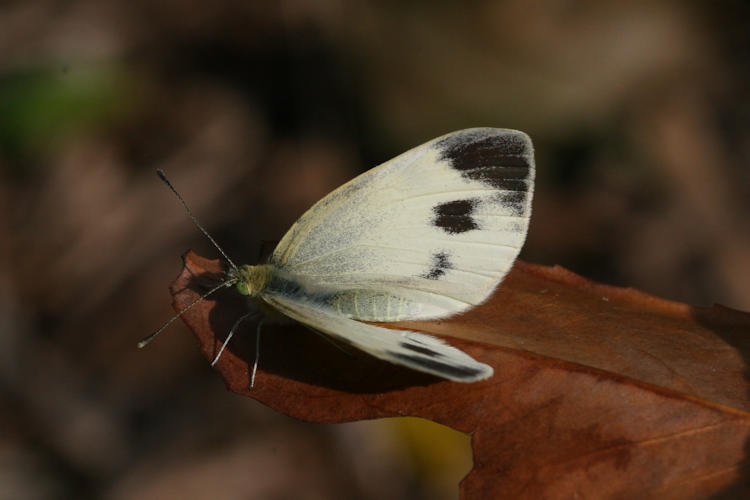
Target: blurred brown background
639 111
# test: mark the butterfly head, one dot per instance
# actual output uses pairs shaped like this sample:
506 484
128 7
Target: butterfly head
250 280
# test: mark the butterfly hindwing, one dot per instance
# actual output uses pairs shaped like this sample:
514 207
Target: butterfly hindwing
434 230
411 349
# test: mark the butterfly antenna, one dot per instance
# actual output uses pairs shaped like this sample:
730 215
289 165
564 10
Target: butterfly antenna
148 339
163 177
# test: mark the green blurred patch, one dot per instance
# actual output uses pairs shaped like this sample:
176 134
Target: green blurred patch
40 107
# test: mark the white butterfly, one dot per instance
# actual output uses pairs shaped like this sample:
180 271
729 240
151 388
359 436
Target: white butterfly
427 235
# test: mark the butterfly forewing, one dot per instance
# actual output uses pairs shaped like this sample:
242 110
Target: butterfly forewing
425 235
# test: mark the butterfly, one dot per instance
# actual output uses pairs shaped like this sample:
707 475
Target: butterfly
427 235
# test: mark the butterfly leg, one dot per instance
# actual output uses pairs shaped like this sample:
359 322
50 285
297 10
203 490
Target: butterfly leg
231 333
257 352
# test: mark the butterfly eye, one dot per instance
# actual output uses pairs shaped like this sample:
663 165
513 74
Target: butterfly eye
241 287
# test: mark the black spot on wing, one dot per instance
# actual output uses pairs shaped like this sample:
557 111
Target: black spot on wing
500 160
440 263
440 367
421 350
455 216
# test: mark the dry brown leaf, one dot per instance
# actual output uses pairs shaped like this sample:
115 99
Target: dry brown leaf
598 392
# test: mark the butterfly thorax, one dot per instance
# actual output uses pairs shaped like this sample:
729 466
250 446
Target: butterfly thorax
251 280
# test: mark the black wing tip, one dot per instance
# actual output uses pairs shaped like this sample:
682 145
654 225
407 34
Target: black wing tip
500 158
521 140
495 131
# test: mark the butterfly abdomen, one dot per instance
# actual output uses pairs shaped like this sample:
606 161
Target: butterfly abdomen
357 303
367 305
